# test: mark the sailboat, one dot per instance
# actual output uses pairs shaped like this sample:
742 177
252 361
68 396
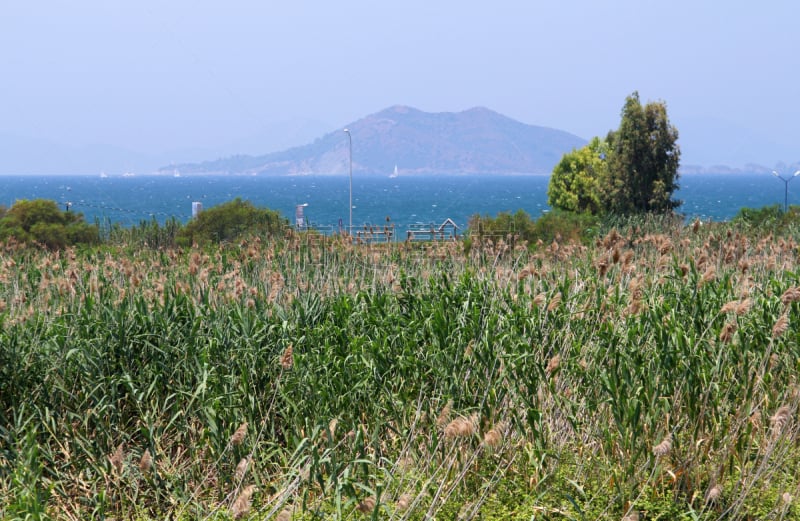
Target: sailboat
394 174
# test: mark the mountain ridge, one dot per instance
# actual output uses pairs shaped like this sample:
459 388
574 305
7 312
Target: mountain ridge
474 141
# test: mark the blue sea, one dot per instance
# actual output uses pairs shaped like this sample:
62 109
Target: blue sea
406 201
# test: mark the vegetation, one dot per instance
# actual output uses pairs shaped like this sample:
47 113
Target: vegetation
769 218
41 221
634 170
519 227
231 221
650 371
575 181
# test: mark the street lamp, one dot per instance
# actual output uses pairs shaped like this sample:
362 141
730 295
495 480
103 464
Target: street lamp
350 140
786 186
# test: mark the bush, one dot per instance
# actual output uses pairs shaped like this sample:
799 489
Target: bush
770 218
568 226
555 225
42 222
147 234
231 221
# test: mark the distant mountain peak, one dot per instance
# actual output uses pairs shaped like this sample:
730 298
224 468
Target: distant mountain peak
400 109
476 140
480 110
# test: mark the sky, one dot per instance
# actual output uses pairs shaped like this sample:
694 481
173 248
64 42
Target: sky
183 80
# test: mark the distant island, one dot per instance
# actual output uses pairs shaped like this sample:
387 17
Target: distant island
402 140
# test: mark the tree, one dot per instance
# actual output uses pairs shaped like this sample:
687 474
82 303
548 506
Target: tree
41 221
643 165
574 183
230 221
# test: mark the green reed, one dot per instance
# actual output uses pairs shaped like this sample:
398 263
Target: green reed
648 372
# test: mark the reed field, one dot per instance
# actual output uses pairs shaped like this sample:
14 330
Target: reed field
651 374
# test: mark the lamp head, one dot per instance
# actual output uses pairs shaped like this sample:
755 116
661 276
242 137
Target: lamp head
796 174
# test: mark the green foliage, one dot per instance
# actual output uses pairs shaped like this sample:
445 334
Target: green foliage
231 221
574 183
578 382
147 234
643 165
552 226
633 170
501 225
768 218
41 221
566 226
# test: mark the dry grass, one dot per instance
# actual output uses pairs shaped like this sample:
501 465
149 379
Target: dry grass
441 367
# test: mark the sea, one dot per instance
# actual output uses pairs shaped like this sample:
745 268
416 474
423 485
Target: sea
405 201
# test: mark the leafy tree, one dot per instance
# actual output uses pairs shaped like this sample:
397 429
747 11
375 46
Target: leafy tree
230 221
574 183
42 221
643 165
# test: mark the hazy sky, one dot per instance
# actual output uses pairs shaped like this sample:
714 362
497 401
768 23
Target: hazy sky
157 76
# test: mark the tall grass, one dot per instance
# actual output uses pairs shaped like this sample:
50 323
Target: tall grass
651 373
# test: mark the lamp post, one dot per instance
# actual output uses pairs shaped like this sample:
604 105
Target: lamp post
350 141
786 186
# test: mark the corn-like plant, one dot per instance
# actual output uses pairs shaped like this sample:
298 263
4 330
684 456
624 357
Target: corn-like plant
652 373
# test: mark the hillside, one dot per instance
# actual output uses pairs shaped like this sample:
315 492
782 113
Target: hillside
477 140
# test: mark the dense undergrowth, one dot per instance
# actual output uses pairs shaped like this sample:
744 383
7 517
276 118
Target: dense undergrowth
651 373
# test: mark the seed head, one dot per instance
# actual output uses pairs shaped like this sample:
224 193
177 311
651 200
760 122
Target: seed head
403 502
238 436
709 275
790 295
494 436
287 358
241 507
602 267
117 458
554 302
332 427
778 420
726 335
241 468
744 307
444 415
553 364
461 427
366 506
713 494
146 461
781 325
663 448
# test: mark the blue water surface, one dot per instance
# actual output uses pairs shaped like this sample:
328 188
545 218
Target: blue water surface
406 201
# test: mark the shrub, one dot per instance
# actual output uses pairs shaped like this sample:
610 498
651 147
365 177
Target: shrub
569 226
42 222
770 218
555 225
230 221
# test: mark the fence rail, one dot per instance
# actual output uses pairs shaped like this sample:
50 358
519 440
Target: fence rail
372 234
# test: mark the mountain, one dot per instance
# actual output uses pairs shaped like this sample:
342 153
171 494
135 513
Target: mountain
477 140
